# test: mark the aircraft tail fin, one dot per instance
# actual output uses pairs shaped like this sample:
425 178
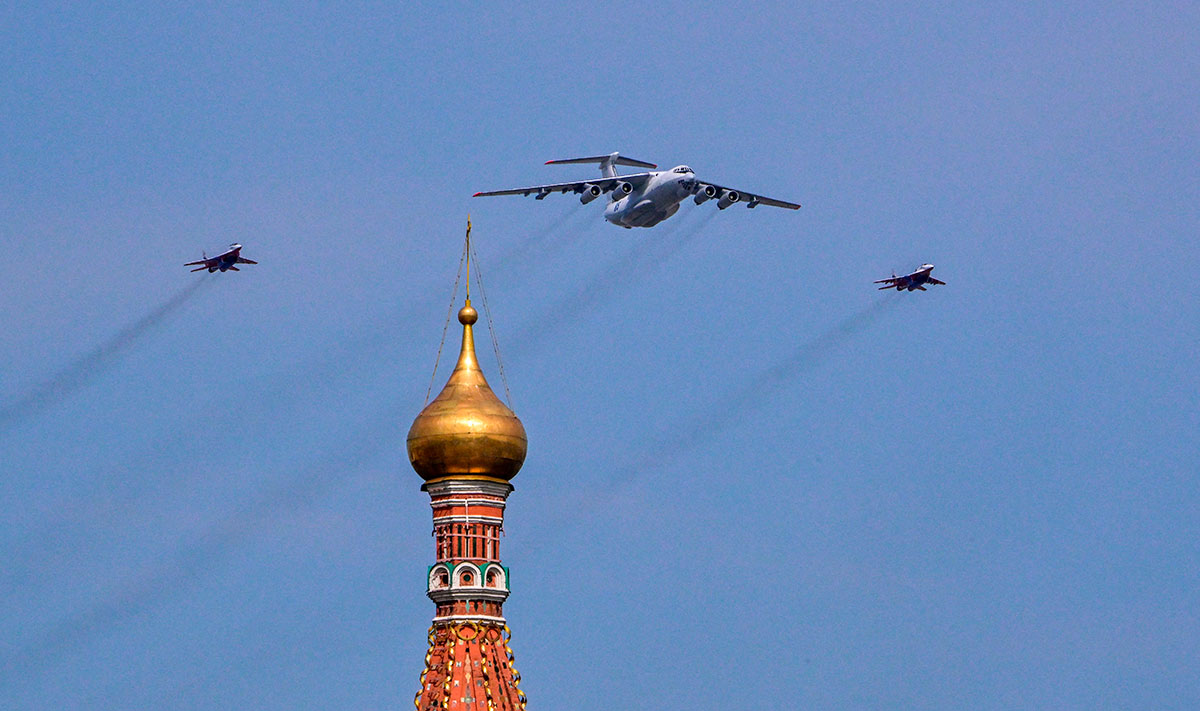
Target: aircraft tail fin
607 163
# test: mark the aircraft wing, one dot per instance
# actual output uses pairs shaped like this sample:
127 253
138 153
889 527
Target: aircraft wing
752 199
936 281
204 262
243 260
606 184
893 280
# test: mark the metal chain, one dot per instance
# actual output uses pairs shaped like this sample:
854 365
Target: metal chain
491 328
449 313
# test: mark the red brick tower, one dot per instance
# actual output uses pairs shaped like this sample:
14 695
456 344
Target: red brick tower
467 445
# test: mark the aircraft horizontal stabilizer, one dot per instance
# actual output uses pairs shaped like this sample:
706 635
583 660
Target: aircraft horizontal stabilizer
615 158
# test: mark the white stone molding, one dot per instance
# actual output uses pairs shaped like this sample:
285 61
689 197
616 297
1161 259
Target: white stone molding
496 573
466 568
482 487
459 518
470 594
470 618
435 573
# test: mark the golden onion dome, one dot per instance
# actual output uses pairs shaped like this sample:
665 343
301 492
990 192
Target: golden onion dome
466 430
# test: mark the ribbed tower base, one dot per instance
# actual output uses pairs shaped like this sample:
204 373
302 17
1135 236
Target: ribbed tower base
469 667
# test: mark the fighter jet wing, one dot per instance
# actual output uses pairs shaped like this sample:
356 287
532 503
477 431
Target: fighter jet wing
751 199
205 262
936 281
243 260
893 280
541 191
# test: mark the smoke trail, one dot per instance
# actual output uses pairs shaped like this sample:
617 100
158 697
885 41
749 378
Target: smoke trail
94 363
630 266
809 354
192 563
369 341
538 238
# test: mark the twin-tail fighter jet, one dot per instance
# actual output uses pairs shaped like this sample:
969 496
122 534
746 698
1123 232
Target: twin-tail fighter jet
916 280
643 199
223 261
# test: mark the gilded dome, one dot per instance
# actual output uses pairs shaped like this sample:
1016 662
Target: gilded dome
467 430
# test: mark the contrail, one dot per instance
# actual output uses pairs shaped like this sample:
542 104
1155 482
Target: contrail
809 354
93 364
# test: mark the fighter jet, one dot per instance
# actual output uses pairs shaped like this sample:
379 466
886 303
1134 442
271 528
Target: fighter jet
912 281
642 199
223 261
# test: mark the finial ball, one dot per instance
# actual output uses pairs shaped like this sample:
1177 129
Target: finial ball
467 315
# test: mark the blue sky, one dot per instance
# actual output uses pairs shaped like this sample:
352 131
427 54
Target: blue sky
752 479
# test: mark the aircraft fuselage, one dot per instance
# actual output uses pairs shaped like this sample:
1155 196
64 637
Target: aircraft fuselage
658 199
227 260
914 281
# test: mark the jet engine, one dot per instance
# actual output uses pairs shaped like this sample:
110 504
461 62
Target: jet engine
704 193
728 198
590 192
621 189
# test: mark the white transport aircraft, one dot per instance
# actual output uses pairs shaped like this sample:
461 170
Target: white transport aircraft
643 199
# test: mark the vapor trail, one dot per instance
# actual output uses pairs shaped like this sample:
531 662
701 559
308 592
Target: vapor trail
94 363
808 354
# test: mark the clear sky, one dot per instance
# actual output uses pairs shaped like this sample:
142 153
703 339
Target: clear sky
753 481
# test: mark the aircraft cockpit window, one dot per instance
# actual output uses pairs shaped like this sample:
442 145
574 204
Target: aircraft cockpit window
683 169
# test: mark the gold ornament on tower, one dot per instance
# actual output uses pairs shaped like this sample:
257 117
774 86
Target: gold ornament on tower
467 430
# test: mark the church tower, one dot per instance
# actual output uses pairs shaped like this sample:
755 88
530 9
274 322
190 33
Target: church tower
467 446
